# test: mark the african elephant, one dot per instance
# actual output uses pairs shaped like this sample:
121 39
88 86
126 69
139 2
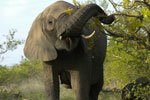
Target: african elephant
58 39
137 90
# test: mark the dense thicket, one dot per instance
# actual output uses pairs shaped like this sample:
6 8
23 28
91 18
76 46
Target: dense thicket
128 55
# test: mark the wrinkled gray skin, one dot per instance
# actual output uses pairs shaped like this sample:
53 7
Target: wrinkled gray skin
69 59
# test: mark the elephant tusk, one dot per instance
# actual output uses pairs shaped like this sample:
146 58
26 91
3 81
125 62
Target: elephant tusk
60 37
88 36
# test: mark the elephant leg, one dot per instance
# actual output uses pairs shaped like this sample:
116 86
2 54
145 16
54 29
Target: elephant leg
94 91
81 78
80 86
51 81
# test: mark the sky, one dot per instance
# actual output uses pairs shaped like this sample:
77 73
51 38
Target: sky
19 15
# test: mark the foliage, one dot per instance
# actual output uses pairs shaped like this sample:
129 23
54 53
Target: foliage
139 89
68 11
10 43
128 55
17 73
19 77
125 63
9 95
132 22
4 74
141 92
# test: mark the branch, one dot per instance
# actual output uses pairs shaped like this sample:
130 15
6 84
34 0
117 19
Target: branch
132 5
148 33
114 5
112 34
136 1
144 2
116 56
122 14
128 37
11 43
2 52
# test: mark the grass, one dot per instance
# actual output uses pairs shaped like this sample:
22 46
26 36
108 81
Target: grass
69 96
65 94
34 96
33 89
110 96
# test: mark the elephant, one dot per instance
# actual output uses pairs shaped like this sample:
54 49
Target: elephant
137 90
60 40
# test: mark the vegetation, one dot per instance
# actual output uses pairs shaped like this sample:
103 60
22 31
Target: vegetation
125 63
139 89
128 55
10 43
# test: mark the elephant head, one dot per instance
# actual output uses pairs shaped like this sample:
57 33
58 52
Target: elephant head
55 30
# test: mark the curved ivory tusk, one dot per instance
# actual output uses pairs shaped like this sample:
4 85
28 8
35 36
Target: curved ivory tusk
60 37
88 36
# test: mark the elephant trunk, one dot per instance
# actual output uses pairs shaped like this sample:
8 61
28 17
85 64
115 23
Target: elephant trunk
76 21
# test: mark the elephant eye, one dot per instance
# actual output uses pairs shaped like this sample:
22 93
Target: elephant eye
50 22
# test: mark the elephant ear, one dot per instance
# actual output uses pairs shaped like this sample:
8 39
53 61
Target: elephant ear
37 45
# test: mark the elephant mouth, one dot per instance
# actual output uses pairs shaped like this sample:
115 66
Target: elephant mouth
61 37
69 42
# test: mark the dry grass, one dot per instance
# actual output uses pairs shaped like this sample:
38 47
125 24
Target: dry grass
33 89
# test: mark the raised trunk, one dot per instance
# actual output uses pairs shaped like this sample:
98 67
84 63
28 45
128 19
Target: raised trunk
81 16
76 21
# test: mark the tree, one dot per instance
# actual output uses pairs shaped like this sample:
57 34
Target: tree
125 63
129 41
10 43
132 22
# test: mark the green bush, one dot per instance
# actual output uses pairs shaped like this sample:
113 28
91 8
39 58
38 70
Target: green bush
17 73
124 64
4 74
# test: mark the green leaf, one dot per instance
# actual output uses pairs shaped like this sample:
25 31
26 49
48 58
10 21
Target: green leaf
68 11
